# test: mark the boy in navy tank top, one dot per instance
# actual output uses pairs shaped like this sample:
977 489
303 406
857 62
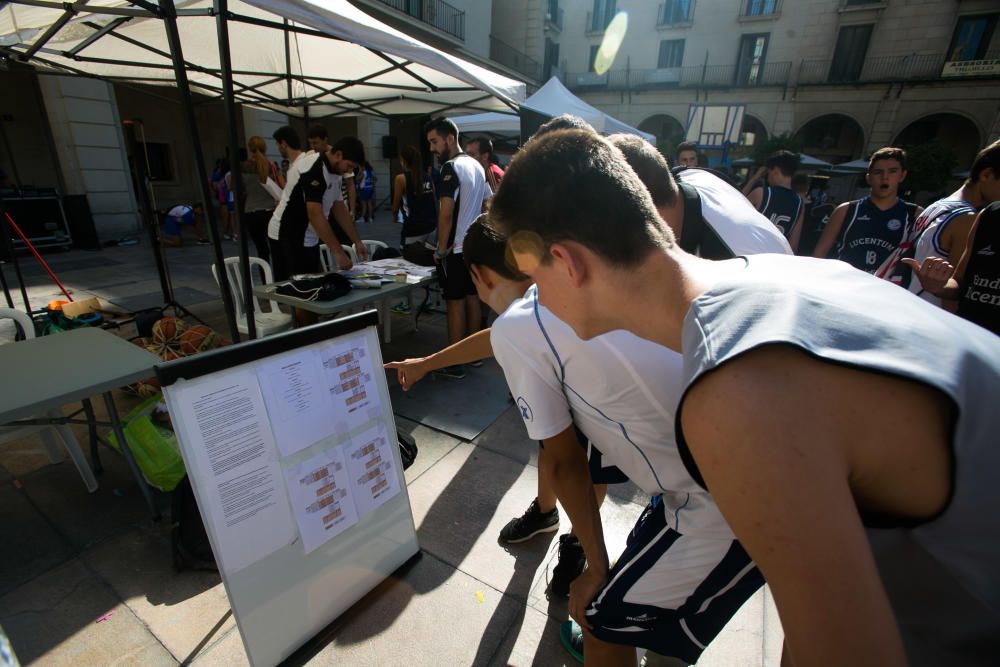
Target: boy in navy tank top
777 201
866 232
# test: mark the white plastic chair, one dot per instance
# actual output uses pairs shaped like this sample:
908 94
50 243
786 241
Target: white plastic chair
268 321
10 433
371 245
326 257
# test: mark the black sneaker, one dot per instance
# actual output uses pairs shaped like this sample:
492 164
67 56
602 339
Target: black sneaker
529 524
456 372
476 364
570 565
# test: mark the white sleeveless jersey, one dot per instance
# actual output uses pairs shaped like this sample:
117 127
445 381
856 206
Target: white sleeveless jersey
934 220
742 227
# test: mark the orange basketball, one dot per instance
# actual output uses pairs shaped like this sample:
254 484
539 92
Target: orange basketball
167 330
164 352
198 339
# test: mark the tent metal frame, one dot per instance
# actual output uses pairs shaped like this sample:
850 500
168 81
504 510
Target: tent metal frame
230 93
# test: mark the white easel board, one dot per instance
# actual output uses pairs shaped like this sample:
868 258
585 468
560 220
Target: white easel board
290 446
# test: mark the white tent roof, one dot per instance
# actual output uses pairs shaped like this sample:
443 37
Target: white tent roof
552 99
341 60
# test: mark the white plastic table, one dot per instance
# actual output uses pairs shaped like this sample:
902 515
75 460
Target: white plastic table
46 373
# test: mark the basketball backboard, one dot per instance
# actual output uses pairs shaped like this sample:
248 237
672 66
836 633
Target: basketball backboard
714 125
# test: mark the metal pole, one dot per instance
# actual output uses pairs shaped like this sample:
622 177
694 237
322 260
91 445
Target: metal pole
187 106
236 176
11 253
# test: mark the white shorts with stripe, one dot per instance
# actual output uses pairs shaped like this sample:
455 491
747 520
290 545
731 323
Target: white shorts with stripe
671 592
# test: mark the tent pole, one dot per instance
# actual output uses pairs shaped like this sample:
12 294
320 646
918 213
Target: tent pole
236 175
288 62
208 202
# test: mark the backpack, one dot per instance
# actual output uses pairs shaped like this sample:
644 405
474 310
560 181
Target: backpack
188 539
407 448
697 237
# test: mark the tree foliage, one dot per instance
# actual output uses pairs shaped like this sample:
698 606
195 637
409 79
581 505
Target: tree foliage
772 144
929 166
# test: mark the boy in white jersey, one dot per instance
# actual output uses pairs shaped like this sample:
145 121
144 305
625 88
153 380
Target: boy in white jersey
944 226
837 500
682 574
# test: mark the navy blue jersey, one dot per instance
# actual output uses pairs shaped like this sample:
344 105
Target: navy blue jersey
781 206
870 234
980 291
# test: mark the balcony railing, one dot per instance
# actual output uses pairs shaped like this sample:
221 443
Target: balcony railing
882 69
915 68
693 76
437 13
674 12
507 55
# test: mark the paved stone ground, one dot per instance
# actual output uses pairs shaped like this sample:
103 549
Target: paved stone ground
87 578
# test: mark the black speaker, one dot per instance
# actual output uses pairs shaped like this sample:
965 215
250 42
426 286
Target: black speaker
81 222
390 147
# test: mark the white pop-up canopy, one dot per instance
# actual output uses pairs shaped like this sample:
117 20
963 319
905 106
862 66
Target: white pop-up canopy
552 99
286 55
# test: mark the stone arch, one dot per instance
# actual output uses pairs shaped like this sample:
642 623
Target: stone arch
668 130
752 125
834 137
956 131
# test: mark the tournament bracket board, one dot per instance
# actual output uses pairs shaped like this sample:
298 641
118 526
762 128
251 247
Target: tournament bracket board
290 445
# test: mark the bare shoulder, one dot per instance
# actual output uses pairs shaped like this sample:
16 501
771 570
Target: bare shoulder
787 404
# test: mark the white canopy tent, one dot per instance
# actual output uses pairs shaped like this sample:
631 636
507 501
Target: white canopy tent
286 55
552 99
326 57
805 162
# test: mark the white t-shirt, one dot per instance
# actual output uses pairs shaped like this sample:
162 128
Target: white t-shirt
463 179
733 217
334 193
620 390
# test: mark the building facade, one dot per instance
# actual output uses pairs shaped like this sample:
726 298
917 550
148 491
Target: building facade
844 76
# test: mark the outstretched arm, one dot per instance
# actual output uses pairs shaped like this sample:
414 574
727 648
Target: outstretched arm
475 347
831 232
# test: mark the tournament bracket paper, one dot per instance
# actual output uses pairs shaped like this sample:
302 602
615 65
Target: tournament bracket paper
372 469
320 492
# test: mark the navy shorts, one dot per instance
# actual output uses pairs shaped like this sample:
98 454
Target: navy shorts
289 258
456 281
672 593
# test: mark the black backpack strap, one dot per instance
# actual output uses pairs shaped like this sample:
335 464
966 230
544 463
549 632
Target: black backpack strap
693 229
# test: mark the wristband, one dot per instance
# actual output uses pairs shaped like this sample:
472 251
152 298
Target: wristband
439 254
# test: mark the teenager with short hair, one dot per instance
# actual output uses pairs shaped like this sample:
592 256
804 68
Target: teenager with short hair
869 512
776 199
943 228
686 576
686 154
866 232
480 149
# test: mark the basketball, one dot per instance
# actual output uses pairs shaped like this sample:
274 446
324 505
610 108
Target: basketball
167 330
198 338
164 352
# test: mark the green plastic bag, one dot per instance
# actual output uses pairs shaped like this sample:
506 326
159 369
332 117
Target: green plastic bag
154 447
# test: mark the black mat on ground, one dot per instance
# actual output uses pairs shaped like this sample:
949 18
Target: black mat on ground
186 296
462 408
30 266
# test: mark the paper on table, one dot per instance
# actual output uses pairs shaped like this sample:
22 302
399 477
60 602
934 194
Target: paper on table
372 470
297 398
351 381
223 427
320 494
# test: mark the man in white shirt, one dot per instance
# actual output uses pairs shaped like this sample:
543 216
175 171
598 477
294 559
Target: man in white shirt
462 193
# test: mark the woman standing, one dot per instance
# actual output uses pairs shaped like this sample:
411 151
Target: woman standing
262 195
413 198
366 191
